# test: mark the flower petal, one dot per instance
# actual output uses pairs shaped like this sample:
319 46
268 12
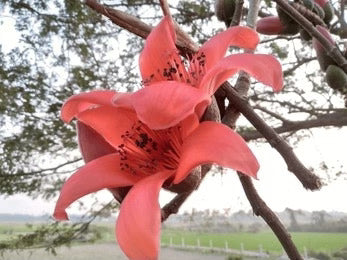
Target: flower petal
189 124
84 101
265 68
92 144
164 104
213 142
110 122
138 223
158 50
98 174
216 47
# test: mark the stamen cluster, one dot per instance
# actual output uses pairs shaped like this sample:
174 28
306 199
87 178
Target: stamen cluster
145 151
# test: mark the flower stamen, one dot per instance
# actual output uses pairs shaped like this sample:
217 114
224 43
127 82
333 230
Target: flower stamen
145 151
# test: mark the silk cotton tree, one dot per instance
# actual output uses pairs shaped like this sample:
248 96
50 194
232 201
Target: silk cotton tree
87 35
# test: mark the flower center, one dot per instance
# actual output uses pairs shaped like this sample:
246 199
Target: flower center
189 70
145 151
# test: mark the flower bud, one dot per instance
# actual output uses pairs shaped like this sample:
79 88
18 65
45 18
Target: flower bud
329 12
317 9
336 78
327 8
270 25
273 25
309 4
323 58
284 17
224 10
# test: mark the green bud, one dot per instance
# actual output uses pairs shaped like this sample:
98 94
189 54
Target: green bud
284 17
224 10
329 12
336 78
318 10
291 29
309 4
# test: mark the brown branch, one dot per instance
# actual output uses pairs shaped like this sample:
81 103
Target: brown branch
305 176
273 114
237 13
174 205
301 62
336 119
165 7
331 49
261 209
137 27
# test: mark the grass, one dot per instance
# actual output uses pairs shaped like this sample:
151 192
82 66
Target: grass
323 242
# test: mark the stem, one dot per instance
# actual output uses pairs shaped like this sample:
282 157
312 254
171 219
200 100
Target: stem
237 13
305 176
165 7
261 209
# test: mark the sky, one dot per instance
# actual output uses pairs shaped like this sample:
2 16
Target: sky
279 188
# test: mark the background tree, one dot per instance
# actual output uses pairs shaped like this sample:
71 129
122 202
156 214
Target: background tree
62 48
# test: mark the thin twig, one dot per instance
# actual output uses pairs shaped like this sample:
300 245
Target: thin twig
237 13
305 176
165 7
137 27
261 209
335 119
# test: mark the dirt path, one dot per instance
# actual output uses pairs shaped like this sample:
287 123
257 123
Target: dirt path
103 252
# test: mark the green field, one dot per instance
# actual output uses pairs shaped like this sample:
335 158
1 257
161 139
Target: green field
322 242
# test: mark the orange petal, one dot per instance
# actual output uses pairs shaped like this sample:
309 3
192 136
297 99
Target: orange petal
164 104
158 50
109 122
213 142
138 223
265 68
216 47
98 174
188 125
93 146
84 101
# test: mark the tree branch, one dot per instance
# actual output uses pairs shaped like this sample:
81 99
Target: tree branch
306 177
136 26
261 209
337 119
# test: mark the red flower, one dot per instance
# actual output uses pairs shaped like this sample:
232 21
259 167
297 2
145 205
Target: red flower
172 91
145 158
152 136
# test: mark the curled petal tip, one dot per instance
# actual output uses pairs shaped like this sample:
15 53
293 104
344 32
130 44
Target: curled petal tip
60 215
